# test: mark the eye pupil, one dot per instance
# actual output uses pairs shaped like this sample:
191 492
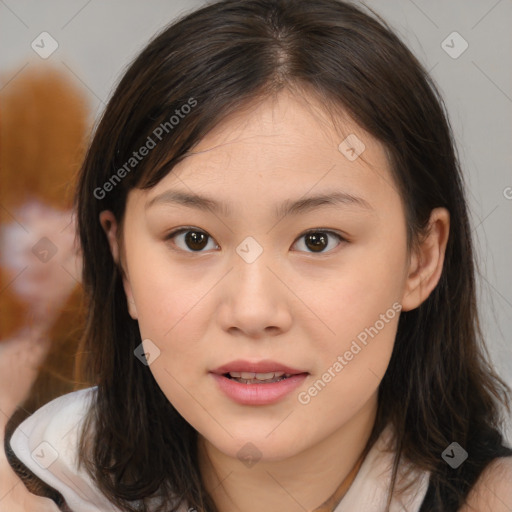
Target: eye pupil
195 240
318 241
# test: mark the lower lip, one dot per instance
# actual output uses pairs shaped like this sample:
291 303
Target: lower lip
258 394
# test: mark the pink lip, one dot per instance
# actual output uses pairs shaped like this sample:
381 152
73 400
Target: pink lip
257 394
264 366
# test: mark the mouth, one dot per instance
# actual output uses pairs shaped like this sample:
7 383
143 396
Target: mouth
259 383
265 371
257 378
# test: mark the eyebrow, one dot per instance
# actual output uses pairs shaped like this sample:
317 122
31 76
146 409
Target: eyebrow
302 205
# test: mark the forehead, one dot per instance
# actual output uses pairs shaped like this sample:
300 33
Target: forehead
285 146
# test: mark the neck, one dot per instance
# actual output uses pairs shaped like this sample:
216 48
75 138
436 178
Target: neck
314 479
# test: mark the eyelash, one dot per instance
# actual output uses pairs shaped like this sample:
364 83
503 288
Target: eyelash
186 229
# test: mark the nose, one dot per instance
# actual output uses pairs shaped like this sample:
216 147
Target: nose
255 298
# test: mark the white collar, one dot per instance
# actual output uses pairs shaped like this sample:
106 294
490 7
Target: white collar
369 489
46 442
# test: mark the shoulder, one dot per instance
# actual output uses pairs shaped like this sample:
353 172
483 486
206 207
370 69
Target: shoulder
493 490
52 424
44 449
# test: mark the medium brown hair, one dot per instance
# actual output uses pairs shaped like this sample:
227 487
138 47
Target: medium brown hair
439 386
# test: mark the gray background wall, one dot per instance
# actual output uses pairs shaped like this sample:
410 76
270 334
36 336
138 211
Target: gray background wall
97 39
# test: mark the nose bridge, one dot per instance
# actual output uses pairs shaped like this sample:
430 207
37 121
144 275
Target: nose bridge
255 302
251 266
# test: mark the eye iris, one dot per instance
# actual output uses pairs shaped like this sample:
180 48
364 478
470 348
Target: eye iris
318 241
195 240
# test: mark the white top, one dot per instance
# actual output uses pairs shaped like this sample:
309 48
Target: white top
46 442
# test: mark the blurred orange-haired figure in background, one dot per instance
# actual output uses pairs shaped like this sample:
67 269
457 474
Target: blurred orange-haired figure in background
44 122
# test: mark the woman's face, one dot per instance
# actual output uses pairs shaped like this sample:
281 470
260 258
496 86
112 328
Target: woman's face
244 284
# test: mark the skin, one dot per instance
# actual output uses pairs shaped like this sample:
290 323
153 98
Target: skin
291 305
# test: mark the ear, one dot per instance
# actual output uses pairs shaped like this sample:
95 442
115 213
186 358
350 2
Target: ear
426 264
110 226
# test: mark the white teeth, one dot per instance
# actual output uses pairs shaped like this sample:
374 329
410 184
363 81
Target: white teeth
258 376
251 377
267 376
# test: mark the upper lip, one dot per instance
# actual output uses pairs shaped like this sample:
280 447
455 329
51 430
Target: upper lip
264 366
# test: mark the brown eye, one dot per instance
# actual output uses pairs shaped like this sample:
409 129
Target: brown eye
194 240
318 240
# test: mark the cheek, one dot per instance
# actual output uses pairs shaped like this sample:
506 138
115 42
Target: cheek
163 293
169 306
367 285
174 311
171 314
361 306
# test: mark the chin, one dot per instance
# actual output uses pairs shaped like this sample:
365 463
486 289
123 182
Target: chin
258 447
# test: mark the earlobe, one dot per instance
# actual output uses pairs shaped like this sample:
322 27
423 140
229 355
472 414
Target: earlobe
427 261
109 224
